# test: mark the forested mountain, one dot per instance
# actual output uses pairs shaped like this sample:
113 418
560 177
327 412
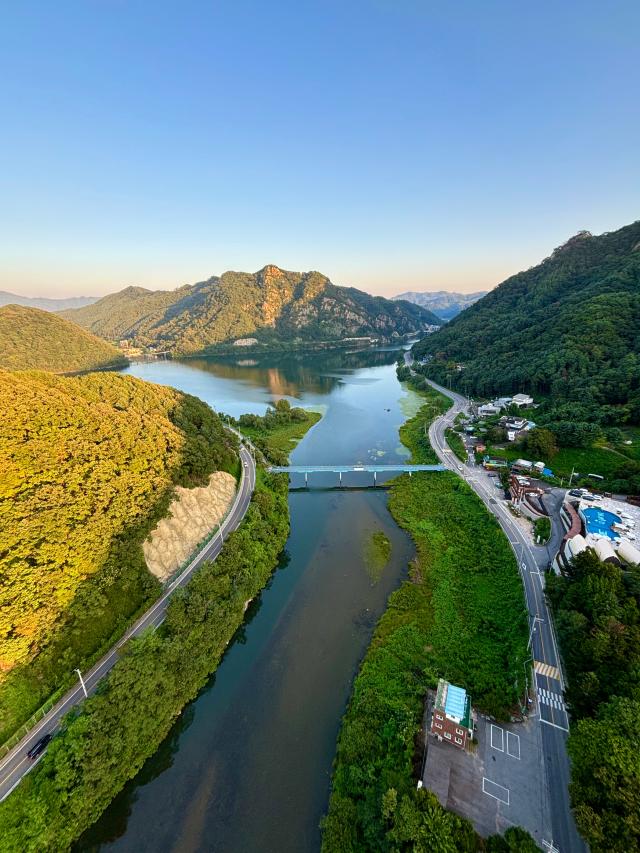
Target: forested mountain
45 304
273 305
88 467
567 329
31 339
444 304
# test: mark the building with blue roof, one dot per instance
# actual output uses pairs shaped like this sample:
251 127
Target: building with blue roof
452 717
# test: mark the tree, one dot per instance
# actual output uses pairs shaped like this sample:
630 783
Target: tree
605 787
541 443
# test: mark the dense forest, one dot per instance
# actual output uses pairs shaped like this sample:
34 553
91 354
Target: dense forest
461 615
31 339
105 741
89 465
567 331
272 305
597 615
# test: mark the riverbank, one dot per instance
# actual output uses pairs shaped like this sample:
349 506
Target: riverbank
107 741
454 616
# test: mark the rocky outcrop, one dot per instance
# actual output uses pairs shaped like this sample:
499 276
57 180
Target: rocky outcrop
192 515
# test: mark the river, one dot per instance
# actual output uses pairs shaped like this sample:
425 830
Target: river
247 767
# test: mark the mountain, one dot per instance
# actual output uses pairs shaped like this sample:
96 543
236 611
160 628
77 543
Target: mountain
442 303
31 339
273 306
44 304
567 329
89 466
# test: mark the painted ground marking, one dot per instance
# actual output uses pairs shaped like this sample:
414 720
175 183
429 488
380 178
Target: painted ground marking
492 789
513 745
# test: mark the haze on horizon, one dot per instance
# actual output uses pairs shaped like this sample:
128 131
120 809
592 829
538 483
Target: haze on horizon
393 146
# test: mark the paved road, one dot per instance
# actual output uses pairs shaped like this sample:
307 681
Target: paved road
16 764
548 678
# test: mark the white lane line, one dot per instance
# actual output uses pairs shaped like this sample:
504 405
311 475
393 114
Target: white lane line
500 790
553 725
513 745
495 745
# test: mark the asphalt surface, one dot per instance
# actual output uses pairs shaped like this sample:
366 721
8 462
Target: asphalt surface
548 679
16 763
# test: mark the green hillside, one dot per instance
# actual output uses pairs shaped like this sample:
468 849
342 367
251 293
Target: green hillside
31 339
272 305
89 464
567 331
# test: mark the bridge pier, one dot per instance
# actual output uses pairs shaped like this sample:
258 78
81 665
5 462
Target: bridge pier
340 478
306 480
375 478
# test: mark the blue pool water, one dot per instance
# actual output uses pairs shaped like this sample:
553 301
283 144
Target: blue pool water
600 521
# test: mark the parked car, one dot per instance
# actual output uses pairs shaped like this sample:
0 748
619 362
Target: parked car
39 746
575 493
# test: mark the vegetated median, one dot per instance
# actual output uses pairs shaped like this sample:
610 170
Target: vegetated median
104 742
456 443
461 615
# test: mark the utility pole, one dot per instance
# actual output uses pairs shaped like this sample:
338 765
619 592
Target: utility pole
84 689
573 471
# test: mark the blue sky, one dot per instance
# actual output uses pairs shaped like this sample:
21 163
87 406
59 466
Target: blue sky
391 144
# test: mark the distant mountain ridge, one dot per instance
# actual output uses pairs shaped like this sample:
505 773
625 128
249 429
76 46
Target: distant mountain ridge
444 304
31 339
568 329
272 306
45 304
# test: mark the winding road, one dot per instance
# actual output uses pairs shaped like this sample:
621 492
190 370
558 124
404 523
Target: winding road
548 679
16 763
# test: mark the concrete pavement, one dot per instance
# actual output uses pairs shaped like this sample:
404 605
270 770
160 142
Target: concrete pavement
16 763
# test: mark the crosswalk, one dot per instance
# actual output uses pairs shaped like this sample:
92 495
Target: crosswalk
547 697
547 670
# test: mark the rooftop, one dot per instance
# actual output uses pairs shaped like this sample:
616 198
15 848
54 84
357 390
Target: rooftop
454 701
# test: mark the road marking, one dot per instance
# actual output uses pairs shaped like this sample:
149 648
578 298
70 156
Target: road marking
547 670
501 791
553 725
548 697
513 745
495 745
550 846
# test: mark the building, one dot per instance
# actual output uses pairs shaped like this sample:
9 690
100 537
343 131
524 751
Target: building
607 526
452 718
522 400
489 409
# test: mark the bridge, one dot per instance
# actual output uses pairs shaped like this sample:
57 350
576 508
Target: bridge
355 469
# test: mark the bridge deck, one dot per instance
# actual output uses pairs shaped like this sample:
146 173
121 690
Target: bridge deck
345 469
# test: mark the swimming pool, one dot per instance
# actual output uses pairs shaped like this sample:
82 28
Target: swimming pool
600 521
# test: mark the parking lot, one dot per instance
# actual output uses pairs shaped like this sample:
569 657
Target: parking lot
498 783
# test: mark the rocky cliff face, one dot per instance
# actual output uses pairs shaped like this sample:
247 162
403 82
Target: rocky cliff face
192 515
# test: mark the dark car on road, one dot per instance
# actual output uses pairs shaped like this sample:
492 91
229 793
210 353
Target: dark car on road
39 746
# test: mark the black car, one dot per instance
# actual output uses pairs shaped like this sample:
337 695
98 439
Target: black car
39 746
575 493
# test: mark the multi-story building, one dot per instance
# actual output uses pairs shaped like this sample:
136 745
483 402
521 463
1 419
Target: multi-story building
452 718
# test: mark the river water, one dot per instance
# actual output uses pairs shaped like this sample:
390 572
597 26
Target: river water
246 768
